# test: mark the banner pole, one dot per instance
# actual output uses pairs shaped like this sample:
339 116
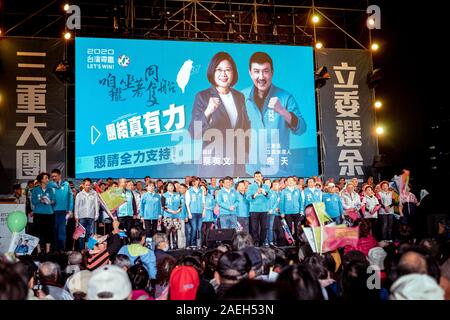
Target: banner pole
319 120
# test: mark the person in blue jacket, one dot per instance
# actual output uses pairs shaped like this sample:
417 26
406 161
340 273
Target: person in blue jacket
138 253
127 211
272 109
195 206
243 214
150 209
43 200
274 214
184 233
63 207
209 220
310 194
333 204
212 187
291 205
258 198
227 199
172 207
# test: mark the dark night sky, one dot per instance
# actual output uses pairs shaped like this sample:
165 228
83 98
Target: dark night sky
413 63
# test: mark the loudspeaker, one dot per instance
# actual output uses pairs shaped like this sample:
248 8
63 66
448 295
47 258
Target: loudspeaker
214 237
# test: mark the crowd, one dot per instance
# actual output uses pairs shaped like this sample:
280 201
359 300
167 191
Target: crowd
129 253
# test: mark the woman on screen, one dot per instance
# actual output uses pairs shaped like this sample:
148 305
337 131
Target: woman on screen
219 120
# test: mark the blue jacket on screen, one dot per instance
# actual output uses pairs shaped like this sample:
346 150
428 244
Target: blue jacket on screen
243 207
150 208
259 202
36 196
226 199
291 201
333 205
173 202
268 119
63 196
210 204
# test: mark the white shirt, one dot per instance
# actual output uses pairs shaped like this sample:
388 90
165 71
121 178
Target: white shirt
371 203
230 106
386 200
350 201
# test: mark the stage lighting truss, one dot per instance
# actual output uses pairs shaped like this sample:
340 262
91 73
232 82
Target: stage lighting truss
248 20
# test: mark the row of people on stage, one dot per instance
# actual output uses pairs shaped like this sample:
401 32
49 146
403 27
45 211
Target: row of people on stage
186 211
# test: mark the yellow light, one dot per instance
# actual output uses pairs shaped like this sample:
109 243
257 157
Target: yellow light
371 22
375 47
319 45
379 130
378 104
315 18
67 35
66 7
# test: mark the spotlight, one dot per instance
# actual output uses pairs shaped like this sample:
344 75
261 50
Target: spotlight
67 35
371 22
375 47
319 45
315 18
321 77
378 104
66 7
374 78
379 131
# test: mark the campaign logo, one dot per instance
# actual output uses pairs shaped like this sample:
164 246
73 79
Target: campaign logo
123 61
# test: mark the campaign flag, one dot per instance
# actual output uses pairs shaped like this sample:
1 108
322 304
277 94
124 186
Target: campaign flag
322 216
311 217
80 232
310 237
287 232
400 183
111 199
333 237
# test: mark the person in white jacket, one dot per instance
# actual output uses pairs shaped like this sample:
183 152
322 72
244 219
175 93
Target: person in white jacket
86 210
351 201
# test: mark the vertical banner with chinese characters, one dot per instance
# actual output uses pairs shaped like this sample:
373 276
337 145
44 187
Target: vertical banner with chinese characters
348 119
32 107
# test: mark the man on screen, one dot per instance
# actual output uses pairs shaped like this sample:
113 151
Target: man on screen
269 107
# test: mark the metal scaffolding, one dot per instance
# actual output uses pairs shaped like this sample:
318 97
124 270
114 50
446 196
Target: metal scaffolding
260 21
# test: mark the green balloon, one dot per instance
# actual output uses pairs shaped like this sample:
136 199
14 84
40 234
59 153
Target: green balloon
17 220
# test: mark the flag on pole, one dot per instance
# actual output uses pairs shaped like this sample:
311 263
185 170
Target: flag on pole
287 232
400 183
334 237
111 199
